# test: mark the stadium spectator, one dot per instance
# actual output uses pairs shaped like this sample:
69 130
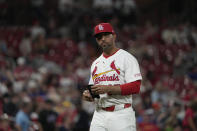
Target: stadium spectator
190 119
47 116
22 116
25 46
83 118
10 104
35 124
37 29
5 123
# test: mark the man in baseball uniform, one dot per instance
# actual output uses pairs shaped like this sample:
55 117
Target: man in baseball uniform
115 76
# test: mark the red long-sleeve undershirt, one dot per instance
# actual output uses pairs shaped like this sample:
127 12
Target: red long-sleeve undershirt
130 88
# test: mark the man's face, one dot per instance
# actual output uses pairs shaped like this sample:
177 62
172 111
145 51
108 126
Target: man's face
106 40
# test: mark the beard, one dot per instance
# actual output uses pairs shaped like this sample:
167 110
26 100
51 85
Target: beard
106 46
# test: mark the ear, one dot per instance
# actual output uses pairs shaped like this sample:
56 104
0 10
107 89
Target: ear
96 40
114 36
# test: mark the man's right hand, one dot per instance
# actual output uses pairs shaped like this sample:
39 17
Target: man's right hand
87 96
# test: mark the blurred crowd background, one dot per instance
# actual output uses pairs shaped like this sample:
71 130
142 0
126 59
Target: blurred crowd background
47 47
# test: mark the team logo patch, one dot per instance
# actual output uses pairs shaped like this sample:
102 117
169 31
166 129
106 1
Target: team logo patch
101 27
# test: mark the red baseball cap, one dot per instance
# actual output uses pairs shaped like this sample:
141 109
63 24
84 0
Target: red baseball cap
103 27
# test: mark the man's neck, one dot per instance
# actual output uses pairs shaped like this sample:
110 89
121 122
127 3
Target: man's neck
110 52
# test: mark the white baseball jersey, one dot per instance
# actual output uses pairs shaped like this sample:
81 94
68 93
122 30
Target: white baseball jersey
117 69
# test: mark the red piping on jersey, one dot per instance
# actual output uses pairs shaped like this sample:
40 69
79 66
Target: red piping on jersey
130 88
107 56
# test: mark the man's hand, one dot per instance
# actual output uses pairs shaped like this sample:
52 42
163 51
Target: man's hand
100 89
87 96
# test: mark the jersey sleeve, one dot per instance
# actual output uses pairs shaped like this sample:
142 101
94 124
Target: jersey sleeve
132 70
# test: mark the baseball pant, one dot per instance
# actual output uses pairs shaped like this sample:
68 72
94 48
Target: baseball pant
121 120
